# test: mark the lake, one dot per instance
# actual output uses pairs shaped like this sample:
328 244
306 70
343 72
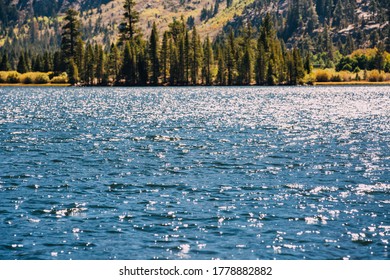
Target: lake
195 173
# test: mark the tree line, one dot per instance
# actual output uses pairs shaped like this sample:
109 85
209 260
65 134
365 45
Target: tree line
179 56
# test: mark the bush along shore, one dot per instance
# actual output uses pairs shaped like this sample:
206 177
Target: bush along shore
33 78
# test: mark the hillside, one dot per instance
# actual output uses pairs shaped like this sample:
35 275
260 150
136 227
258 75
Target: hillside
101 18
295 19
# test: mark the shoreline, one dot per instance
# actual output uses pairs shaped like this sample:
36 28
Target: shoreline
350 83
33 85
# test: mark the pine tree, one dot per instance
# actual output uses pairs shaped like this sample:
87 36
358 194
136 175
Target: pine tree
79 56
261 61
164 54
142 67
173 57
100 71
270 74
89 65
57 62
127 28
46 62
230 47
298 66
129 65
37 64
380 57
187 57
246 67
22 65
154 55
114 62
308 66
195 60
181 66
221 76
70 34
208 61
5 65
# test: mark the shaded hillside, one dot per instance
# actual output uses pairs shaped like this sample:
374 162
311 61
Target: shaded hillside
351 24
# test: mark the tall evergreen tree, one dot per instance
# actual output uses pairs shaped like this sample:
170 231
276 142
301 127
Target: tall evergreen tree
89 65
307 64
127 28
5 65
46 62
114 62
208 61
154 55
221 75
195 60
129 65
164 55
100 62
174 65
79 56
22 65
380 57
142 67
70 34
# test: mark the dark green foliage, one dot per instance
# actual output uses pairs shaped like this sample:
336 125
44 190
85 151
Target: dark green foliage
164 56
4 64
100 63
129 65
154 56
127 28
89 65
208 61
23 66
70 34
308 66
114 63
196 56
221 75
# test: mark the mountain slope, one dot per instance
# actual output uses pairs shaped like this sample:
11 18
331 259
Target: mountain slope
359 23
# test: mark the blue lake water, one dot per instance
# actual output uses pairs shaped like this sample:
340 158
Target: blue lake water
195 173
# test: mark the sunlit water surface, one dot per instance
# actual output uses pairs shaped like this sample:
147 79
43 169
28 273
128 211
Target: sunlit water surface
195 173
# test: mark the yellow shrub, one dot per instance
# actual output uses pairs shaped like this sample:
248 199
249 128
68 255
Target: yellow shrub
309 79
322 76
61 79
13 77
345 76
3 76
42 78
34 78
375 76
26 78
